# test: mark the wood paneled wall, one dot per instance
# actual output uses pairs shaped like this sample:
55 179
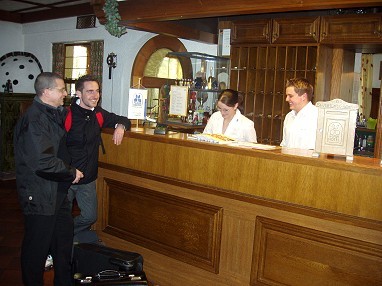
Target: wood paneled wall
276 218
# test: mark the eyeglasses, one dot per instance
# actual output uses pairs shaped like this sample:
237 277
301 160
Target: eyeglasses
62 90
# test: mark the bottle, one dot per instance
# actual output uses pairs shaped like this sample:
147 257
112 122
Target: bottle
10 88
189 118
364 142
370 142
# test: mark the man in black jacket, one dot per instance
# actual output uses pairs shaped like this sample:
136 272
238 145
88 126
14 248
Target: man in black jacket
43 176
84 138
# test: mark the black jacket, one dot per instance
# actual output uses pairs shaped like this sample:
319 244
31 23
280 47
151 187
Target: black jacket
84 138
39 143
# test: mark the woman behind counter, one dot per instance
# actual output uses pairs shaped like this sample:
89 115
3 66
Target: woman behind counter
229 121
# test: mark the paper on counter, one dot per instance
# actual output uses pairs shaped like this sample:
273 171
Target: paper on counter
253 145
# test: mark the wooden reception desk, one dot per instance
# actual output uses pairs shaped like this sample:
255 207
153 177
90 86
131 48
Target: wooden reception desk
208 214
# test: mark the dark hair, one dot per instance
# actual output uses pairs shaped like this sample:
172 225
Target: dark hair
45 80
81 80
229 97
301 85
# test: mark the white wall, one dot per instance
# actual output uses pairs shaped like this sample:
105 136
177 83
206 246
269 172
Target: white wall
37 38
11 38
377 59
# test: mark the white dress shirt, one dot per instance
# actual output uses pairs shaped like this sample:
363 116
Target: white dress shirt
299 129
240 128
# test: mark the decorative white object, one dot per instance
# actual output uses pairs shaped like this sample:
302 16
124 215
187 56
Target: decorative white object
336 128
137 103
21 68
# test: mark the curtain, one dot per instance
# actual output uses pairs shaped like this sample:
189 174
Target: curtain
58 62
96 60
366 85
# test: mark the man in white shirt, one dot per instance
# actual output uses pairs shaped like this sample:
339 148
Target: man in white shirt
300 124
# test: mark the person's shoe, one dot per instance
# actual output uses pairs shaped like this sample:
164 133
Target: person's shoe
49 263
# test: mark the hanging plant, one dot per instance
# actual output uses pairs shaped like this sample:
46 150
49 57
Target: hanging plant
112 16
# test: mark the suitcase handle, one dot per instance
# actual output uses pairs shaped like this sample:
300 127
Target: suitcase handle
125 265
109 275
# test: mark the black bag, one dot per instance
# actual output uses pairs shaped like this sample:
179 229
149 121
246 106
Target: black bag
111 278
87 236
90 259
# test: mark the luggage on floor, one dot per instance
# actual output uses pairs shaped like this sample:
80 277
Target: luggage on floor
87 236
111 278
102 264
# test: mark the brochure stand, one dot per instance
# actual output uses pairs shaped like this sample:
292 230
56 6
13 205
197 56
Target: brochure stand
137 104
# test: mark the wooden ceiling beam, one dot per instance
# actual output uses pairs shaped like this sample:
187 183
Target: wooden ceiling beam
162 16
56 13
164 10
174 30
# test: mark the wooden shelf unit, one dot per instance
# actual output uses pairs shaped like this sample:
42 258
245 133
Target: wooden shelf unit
260 72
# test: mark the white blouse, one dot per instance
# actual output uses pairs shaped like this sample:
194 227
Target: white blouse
240 128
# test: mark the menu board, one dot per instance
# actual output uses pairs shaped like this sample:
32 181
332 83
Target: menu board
178 100
137 103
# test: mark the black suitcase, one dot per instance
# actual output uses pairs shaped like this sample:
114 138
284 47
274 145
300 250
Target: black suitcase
112 278
89 260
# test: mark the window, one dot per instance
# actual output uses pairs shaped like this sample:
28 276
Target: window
158 72
71 60
160 66
76 64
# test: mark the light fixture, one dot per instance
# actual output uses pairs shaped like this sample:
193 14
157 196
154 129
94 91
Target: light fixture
111 61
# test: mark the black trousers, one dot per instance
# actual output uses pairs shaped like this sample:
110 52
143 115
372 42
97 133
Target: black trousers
48 235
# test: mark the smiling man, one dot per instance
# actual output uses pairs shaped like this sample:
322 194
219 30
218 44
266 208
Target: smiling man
84 126
43 176
300 124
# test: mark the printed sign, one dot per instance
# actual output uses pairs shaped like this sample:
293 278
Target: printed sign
137 103
178 100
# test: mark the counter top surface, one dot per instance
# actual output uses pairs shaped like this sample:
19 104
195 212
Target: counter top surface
370 166
285 175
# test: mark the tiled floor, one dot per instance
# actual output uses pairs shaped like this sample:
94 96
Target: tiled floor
11 233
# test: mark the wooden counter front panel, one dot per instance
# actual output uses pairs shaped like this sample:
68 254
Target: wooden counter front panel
283 251
183 229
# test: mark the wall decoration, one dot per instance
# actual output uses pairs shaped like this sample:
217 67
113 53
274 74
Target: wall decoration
113 17
21 70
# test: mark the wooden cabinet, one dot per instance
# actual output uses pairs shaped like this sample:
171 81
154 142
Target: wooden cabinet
277 31
260 73
208 77
251 31
295 30
11 107
351 29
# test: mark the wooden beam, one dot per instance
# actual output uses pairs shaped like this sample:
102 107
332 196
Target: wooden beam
56 13
174 30
164 10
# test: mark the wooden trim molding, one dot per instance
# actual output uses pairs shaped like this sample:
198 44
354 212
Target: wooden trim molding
152 45
351 220
183 229
283 251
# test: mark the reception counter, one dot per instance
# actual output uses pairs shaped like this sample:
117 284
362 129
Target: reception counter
210 214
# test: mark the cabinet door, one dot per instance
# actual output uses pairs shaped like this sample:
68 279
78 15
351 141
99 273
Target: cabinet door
351 29
295 30
253 32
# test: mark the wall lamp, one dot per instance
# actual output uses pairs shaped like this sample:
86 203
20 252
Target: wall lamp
111 61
